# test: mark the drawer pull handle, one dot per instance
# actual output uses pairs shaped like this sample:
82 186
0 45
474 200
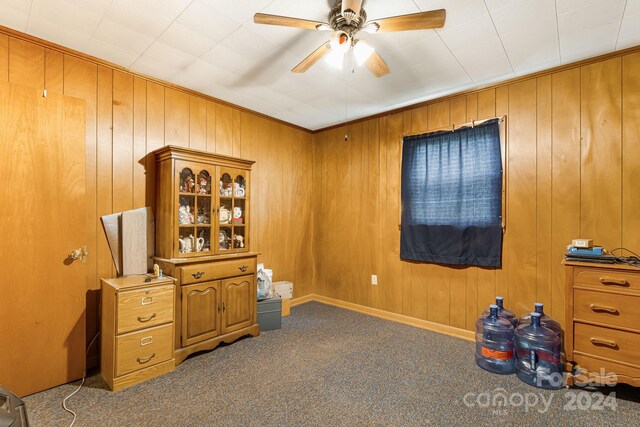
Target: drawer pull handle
602 341
243 268
146 319
223 307
145 359
197 274
146 340
612 281
611 310
146 300
218 308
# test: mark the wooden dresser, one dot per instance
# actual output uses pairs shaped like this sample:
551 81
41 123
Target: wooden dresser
603 322
137 329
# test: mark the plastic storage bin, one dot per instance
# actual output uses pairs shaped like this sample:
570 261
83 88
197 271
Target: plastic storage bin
270 314
494 343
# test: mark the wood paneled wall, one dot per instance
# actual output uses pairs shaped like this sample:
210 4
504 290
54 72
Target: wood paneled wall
573 170
325 211
129 116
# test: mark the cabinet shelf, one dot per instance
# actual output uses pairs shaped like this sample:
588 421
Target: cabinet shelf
194 194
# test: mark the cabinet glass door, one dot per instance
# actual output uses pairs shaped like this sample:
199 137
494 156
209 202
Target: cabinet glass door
232 210
194 209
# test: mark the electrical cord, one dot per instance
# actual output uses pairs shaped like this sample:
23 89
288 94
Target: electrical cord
633 260
64 401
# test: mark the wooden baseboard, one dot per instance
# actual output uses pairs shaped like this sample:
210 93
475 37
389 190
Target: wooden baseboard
394 317
301 300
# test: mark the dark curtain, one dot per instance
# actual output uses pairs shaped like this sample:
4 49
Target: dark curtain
452 196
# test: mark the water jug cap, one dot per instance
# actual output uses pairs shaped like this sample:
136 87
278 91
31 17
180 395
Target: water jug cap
535 318
499 301
539 306
493 310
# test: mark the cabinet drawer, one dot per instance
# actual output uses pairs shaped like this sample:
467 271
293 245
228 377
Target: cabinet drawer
145 348
609 308
144 308
216 270
608 343
608 279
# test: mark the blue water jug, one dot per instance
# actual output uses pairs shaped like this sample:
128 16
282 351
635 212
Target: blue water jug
503 312
494 343
538 361
545 320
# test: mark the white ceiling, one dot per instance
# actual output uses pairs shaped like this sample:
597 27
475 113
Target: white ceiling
213 46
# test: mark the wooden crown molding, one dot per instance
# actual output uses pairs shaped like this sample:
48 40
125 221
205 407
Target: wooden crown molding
559 68
80 55
53 46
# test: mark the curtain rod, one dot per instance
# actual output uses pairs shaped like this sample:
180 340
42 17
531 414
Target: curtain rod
453 127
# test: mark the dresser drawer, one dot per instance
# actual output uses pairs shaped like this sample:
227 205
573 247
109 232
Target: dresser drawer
608 373
608 343
609 308
144 348
218 270
607 279
144 308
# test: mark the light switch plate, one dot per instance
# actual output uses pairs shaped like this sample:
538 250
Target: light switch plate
374 279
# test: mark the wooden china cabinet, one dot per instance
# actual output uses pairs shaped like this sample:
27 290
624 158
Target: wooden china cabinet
202 240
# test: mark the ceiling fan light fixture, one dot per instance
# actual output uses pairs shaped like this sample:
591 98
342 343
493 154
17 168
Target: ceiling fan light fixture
340 43
362 51
336 59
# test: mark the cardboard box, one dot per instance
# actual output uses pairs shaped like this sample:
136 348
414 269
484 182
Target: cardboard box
286 307
284 289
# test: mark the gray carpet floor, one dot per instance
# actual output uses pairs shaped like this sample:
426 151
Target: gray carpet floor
329 366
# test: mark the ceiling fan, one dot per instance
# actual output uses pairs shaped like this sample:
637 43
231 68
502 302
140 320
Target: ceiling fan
346 19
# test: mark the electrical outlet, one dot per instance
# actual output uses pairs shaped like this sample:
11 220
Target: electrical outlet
374 279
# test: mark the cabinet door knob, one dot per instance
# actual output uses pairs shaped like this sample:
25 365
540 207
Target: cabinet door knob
608 309
146 319
612 281
218 308
243 268
602 341
145 359
223 307
197 274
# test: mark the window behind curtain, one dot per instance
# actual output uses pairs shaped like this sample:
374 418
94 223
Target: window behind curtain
452 196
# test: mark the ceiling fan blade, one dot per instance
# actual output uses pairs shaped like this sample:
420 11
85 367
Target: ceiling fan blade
414 21
286 21
377 65
312 58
